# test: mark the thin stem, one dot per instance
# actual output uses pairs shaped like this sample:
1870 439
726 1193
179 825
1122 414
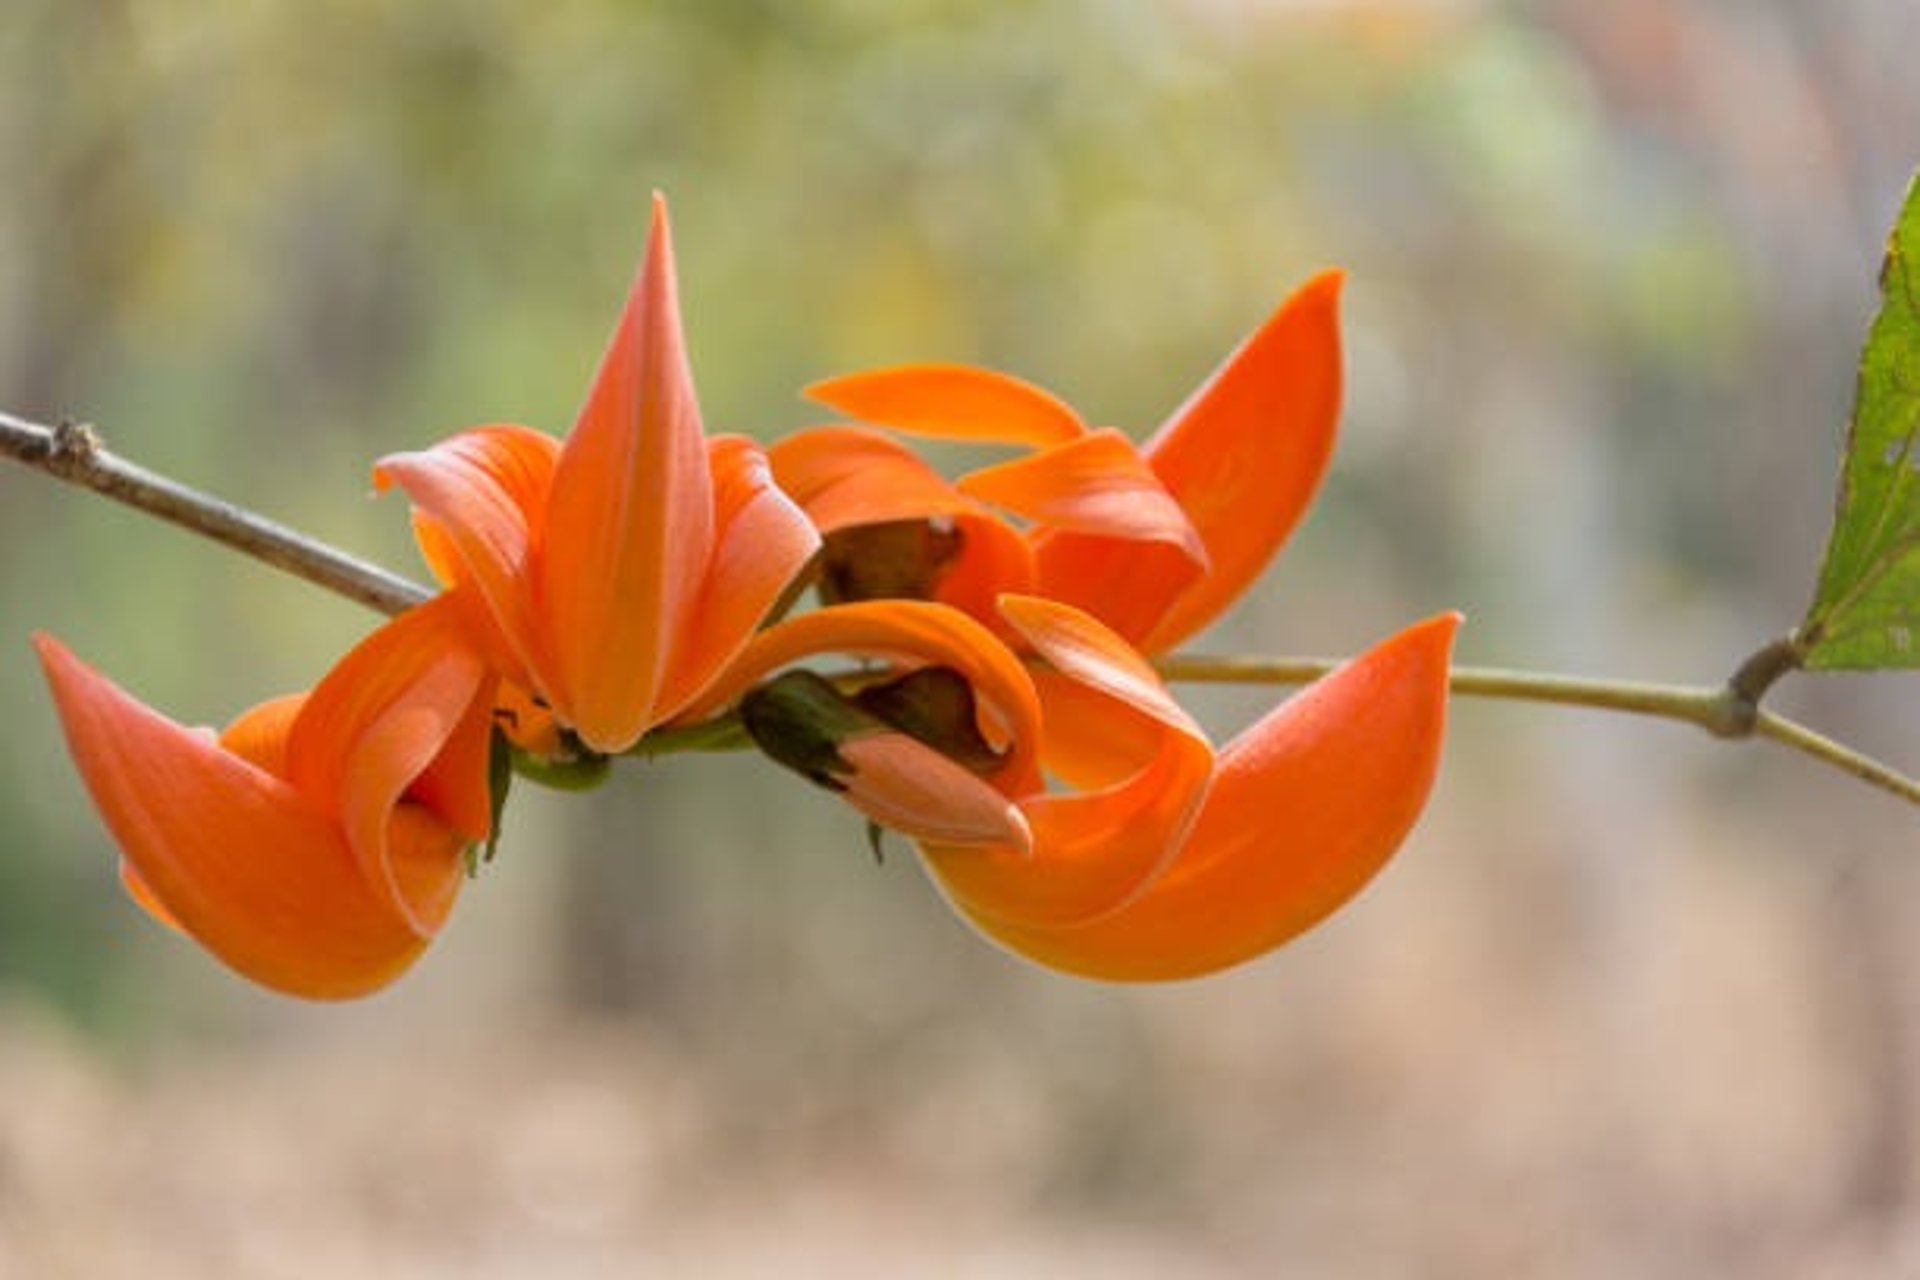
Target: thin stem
1726 711
73 452
1694 704
1870 771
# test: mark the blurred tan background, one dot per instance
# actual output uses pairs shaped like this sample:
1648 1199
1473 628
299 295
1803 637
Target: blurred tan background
1631 1002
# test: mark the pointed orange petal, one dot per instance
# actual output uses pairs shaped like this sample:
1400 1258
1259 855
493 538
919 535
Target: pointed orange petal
952 402
903 784
231 854
1243 457
630 523
479 496
1097 484
1093 851
375 724
914 633
1246 453
763 540
1305 807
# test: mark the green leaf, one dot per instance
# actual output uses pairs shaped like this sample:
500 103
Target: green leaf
1866 611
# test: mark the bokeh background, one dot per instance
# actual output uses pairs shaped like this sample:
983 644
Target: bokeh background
1631 1002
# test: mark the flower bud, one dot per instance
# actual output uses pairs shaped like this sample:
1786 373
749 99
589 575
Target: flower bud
882 766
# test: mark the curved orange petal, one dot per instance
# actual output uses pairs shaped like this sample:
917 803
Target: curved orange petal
1305 807
1093 851
630 523
376 723
952 402
1244 456
916 633
454 787
763 540
235 857
844 477
1084 746
258 735
1097 484
480 496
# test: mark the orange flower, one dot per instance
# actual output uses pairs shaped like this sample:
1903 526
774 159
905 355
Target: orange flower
614 575
316 845
1167 863
1155 542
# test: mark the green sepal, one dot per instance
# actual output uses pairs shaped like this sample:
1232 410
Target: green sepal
799 720
581 772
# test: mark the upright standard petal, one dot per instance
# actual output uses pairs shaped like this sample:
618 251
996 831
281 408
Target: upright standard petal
630 521
1305 807
235 856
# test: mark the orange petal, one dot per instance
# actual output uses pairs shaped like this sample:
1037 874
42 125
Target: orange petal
454 786
1305 807
1093 851
1084 746
1097 484
849 476
994 558
479 496
630 523
258 735
1243 456
915 633
233 855
952 402
762 543
906 785
373 726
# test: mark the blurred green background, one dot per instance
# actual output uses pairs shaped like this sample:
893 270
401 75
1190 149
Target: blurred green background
1631 1002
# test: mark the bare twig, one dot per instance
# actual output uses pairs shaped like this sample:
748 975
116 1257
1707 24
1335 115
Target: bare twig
73 452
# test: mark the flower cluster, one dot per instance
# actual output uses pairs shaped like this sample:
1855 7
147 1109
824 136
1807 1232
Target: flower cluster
637 580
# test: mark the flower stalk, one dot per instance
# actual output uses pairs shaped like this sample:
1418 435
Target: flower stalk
74 453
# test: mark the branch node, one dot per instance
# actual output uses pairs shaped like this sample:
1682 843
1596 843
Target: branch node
73 445
1738 712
